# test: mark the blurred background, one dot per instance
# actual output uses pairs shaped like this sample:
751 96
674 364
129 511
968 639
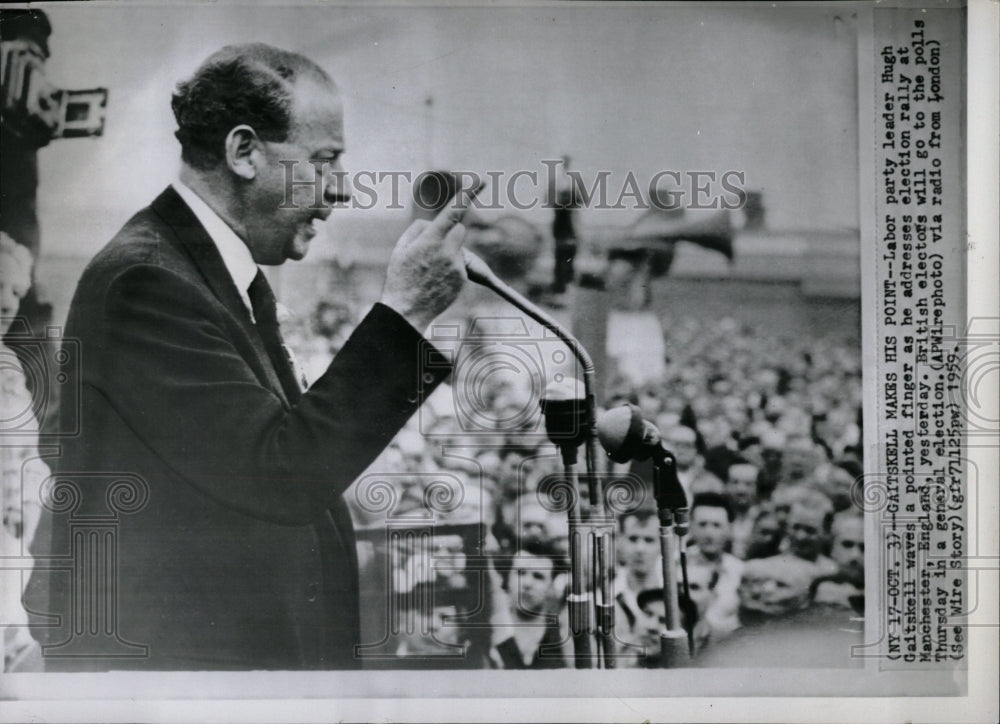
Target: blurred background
767 92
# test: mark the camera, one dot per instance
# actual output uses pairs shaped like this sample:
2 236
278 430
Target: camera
37 111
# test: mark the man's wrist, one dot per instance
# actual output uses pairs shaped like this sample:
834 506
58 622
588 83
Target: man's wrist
418 319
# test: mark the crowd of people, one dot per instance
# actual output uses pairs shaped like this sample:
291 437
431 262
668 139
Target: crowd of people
766 432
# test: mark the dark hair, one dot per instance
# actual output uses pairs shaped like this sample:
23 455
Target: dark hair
689 610
240 84
647 596
738 460
545 549
852 467
712 500
640 514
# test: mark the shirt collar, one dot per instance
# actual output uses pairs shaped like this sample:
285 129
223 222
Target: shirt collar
234 252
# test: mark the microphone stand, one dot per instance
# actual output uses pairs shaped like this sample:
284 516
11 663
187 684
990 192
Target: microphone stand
671 503
479 273
561 421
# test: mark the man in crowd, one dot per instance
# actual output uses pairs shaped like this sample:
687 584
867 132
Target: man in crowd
848 552
800 458
711 520
682 441
235 549
780 628
765 534
527 630
809 530
807 534
639 541
772 587
653 621
741 492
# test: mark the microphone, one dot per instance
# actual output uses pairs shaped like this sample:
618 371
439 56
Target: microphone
479 273
626 436
565 407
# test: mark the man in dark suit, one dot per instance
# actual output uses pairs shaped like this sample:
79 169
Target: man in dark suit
197 520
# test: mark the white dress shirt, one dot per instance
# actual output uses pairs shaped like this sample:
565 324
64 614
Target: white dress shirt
235 253
236 257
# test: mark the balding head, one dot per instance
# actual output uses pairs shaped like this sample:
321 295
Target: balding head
249 84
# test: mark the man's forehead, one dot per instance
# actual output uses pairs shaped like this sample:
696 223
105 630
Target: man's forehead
681 435
531 562
847 527
317 113
711 512
633 522
801 511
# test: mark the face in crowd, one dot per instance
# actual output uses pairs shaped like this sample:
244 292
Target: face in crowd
848 549
654 621
701 585
681 441
764 536
448 554
435 632
837 485
641 543
538 524
807 531
532 584
775 586
799 458
710 529
741 485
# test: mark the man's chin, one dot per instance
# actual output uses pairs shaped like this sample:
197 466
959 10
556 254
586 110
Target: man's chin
297 249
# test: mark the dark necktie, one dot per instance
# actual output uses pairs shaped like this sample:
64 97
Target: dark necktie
265 312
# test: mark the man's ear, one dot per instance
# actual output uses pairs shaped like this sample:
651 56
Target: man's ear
243 149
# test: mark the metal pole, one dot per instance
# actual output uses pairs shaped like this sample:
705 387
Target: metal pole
578 602
674 649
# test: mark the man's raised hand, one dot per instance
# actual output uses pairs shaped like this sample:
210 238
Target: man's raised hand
427 269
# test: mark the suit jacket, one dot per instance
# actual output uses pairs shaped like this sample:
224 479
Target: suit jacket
226 543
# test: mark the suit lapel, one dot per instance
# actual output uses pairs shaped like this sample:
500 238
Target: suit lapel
205 254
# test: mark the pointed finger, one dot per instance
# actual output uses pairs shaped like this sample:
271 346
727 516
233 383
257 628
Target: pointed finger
413 231
455 212
454 239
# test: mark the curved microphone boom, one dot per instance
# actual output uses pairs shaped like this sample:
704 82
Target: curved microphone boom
479 273
568 422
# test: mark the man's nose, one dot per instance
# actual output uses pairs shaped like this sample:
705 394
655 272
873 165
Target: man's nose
338 188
